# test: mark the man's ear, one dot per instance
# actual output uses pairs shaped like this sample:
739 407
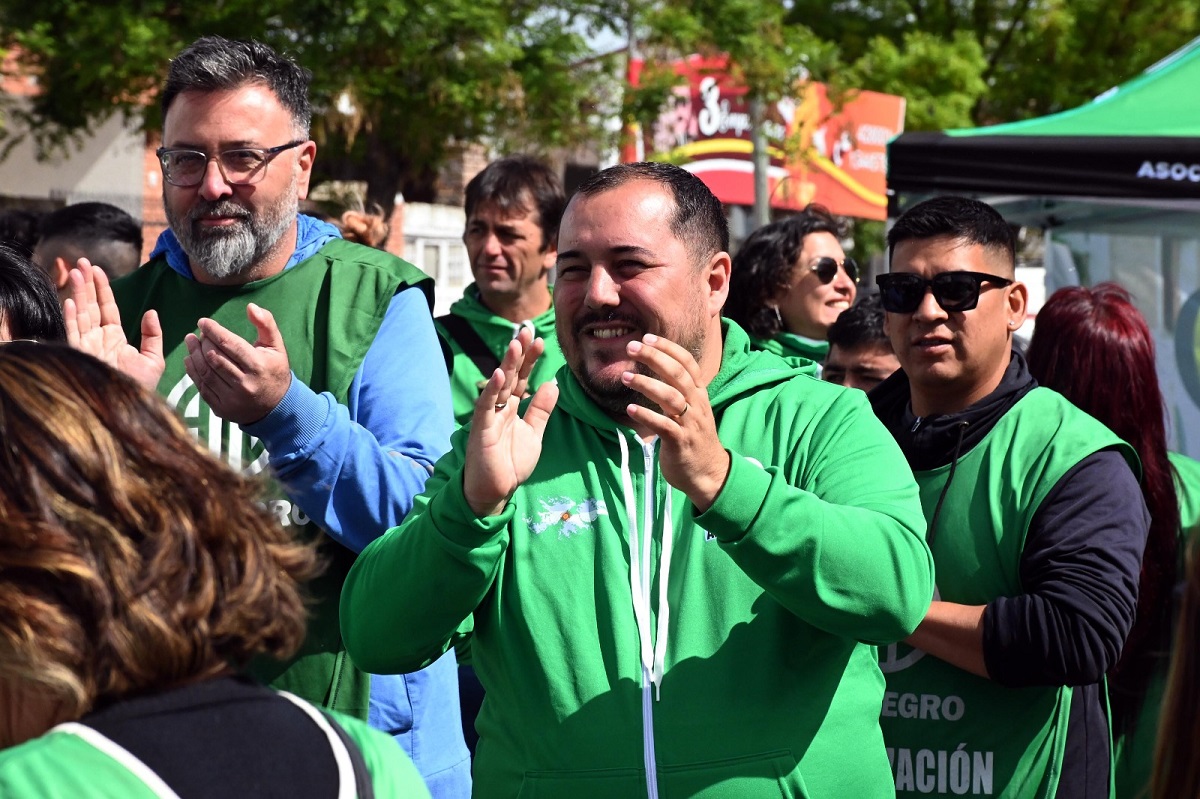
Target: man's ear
550 256
304 162
717 273
60 273
1018 300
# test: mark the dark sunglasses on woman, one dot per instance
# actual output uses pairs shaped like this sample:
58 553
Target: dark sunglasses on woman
954 291
827 268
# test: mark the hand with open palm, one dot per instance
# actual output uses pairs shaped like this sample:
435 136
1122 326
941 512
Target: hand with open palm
503 447
94 326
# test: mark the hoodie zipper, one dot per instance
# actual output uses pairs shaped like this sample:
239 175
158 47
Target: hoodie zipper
653 653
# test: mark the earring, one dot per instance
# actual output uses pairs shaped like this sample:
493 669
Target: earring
778 316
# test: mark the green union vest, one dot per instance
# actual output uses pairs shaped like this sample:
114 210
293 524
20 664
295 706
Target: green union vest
948 731
328 308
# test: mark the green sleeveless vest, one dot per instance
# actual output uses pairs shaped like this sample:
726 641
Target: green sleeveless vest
948 731
328 308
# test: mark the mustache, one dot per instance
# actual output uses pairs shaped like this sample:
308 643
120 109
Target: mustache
223 207
603 317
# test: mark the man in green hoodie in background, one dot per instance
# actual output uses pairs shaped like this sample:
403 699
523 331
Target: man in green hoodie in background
674 563
513 207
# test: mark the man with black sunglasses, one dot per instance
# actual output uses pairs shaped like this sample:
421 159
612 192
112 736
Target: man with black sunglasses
1035 520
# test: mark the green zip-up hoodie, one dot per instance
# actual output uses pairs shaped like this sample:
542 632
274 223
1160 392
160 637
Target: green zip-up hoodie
630 647
799 350
466 380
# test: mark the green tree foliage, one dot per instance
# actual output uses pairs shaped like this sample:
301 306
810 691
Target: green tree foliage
397 85
1039 56
941 79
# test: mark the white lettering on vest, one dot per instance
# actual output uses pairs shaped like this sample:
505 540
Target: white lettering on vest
926 771
928 707
281 509
213 431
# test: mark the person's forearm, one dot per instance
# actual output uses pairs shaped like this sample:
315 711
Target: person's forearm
953 633
409 591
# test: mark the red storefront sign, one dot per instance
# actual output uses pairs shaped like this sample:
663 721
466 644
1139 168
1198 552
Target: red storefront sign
819 153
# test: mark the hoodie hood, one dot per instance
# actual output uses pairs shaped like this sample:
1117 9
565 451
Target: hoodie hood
743 371
929 442
471 308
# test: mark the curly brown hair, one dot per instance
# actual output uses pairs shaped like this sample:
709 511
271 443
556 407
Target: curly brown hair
365 227
131 560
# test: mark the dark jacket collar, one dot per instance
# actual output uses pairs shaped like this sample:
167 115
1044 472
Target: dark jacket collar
933 441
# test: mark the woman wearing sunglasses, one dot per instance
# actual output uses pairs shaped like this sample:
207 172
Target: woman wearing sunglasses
790 281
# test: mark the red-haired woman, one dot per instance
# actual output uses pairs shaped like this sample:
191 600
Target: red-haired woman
1093 346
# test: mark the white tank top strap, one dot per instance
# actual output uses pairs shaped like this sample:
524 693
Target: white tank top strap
346 783
120 754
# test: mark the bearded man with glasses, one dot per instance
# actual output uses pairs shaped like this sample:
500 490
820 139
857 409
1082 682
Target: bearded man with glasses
1035 520
287 348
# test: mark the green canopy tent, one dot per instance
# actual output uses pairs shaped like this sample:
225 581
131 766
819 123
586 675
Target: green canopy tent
1140 140
1114 185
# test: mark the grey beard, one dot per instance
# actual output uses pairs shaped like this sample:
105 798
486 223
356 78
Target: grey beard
232 251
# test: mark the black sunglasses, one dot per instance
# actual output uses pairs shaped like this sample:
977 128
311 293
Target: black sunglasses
827 268
954 291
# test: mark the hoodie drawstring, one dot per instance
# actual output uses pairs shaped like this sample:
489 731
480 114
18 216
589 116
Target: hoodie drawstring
937 511
640 575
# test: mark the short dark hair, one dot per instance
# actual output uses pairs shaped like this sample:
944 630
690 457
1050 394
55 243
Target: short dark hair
510 183
699 219
28 302
213 63
763 267
960 218
95 228
860 325
20 226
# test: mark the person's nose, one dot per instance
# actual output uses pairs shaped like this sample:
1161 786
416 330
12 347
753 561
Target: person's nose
929 310
602 290
842 283
491 245
213 184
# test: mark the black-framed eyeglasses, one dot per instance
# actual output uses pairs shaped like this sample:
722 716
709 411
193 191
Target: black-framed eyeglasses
827 268
954 291
240 166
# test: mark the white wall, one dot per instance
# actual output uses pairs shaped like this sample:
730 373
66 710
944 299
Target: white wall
108 167
433 241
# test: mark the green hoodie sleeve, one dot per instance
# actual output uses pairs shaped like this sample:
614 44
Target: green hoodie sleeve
414 587
836 534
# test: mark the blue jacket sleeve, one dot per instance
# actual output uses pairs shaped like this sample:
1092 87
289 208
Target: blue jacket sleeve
1079 570
355 469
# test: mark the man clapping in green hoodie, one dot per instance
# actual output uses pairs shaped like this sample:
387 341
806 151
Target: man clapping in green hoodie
675 562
